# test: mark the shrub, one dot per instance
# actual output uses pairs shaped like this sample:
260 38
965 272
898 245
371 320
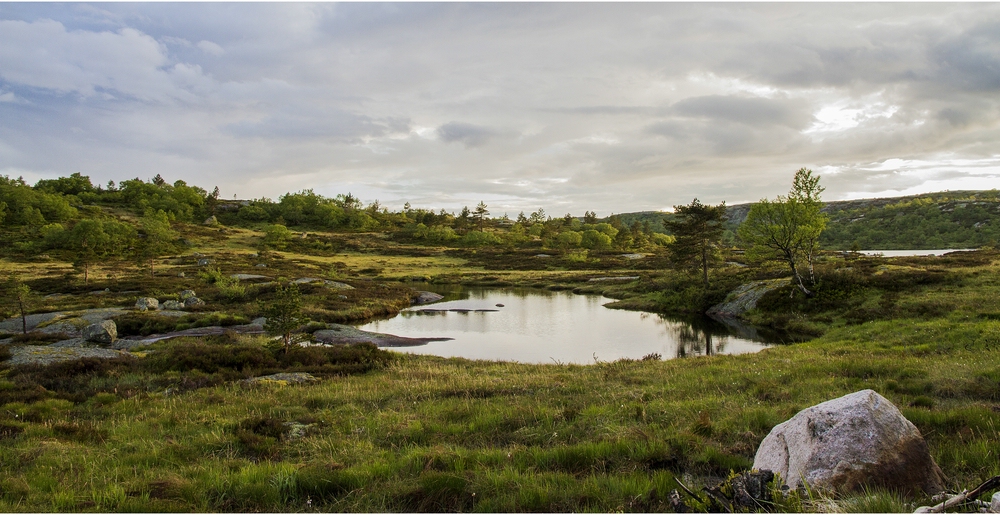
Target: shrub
209 358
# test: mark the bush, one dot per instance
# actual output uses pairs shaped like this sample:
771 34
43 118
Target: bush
210 358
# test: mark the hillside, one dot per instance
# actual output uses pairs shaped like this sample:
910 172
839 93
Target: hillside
950 219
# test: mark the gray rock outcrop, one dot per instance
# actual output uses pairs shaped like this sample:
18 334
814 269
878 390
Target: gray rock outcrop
848 443
187 294
147 303
172 305
745 298
426 297
212 220
204 262
193 301
101 332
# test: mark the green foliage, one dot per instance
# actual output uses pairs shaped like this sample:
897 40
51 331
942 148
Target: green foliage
788 228
479 239
592 239
284 313
155 238
697 230
17 299
25 206
276 236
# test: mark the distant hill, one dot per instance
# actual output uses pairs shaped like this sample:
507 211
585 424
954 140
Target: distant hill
950 219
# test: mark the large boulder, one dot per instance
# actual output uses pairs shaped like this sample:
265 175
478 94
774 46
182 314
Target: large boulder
745 298
187 293
191 302
101 332
147 303
845 444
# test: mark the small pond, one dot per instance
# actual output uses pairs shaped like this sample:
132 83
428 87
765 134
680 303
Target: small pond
540 326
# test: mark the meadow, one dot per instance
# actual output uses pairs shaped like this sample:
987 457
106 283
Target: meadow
176 427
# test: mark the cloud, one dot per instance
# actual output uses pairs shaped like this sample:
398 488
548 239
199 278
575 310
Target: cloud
466 134
630 107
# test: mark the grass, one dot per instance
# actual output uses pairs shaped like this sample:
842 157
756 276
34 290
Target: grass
177 430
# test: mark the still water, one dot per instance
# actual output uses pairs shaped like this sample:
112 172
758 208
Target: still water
906 253
540 326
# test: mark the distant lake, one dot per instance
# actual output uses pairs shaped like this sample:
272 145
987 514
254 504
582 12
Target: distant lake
905 253
541 326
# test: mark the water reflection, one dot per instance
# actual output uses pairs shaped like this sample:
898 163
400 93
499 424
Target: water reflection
539 326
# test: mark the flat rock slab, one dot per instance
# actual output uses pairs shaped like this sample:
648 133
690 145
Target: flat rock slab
201 331
48 355
633 256
338 285
603 279
68 321
249 277
283 378
340 334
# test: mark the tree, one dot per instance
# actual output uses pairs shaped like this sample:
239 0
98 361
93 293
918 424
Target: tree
589 217
89 243
788 228
480 214
276 236
284 315
697 231
156 238
19 298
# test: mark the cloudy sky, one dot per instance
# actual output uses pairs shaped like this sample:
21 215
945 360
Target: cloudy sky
569 107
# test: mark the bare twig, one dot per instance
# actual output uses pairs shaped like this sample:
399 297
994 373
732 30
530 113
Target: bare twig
689 492
966 495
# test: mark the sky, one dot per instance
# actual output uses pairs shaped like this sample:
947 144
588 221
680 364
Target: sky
608 107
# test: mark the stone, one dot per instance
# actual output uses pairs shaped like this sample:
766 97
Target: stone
181 275
306 280
745 298
172 305
212 220
103 332
204 262
283 378
260 265
186 294
147 303
248 277
426 297
995 503
605 279
338 285
846 444
193 301
261 321
47 355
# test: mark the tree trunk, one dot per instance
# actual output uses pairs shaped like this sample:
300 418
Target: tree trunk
24 318
798 277
704 264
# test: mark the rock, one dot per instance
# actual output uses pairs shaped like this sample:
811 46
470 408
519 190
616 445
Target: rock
181 275
103 332
47 355
603 279
995 503
204 262
543 256
186 294
212 220
745 298
14 325
338 285
172 305
307 280
283 378
248 277
499 305
633 256
193 301
259 321
426 297
849 443
342 297
146 303
260 265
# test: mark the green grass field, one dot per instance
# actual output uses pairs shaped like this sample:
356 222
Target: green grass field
417 433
